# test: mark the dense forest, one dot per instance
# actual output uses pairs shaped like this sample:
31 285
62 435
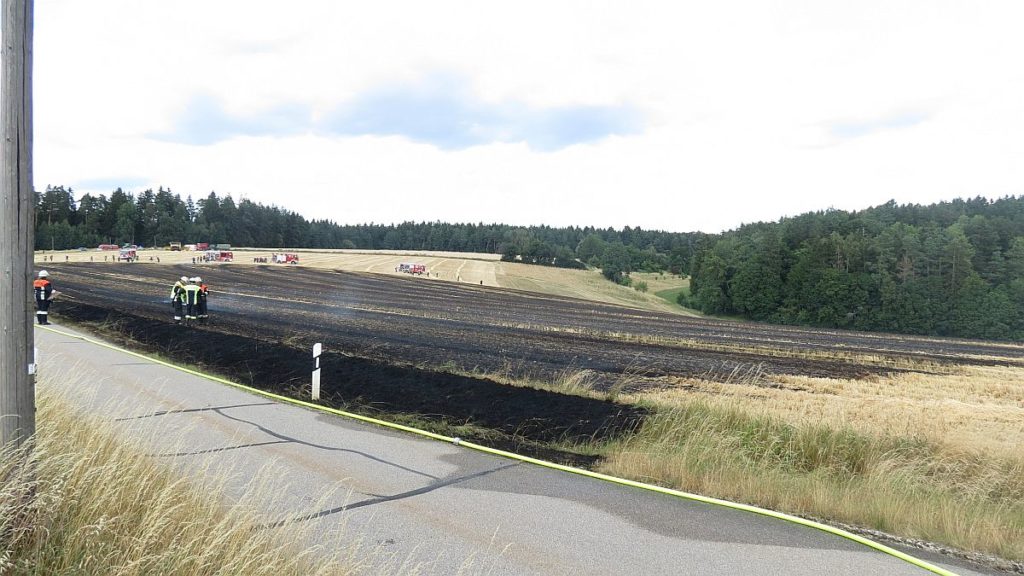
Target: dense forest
953 268
157 218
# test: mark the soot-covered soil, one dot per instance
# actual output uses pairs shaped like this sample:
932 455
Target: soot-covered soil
391 343
515 418
420 321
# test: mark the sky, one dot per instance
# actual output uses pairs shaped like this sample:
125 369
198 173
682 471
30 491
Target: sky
677 116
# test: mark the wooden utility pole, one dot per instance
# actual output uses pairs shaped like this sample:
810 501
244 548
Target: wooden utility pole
17 204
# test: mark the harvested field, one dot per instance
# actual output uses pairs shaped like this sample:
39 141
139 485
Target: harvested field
421 322
433 324
458 267
441 355
397 344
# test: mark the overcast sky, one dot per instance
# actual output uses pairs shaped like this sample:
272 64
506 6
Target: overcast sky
670 115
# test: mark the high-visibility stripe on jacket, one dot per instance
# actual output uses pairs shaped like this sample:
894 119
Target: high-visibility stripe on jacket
191 294
43 289
178 291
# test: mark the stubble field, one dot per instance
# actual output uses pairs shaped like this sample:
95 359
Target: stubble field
458 267
934 428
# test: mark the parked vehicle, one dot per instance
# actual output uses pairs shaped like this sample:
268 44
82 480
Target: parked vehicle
175 246
218 256
285 259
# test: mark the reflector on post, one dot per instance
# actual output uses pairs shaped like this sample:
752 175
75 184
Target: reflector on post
317 349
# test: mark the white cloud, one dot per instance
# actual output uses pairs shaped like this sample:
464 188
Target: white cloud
751 110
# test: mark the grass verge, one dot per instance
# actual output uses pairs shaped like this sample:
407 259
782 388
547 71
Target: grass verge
907 482
77 499
903 485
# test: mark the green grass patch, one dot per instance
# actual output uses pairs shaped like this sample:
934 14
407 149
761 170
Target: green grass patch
671 295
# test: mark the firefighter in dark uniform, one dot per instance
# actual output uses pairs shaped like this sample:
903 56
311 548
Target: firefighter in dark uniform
204 291
191 301
44 294
178 297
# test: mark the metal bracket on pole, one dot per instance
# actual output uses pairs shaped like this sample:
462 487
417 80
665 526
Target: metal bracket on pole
317 349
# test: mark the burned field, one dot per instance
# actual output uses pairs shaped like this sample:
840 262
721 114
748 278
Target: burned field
433 349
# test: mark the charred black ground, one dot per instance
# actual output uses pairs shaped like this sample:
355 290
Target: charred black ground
392 343
414 320
510 417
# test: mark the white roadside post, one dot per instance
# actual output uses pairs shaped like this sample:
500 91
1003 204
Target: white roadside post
317 348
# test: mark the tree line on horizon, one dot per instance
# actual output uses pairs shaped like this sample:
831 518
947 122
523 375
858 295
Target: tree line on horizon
949 269
156 218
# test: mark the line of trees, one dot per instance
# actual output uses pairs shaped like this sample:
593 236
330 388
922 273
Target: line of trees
157 218
951 269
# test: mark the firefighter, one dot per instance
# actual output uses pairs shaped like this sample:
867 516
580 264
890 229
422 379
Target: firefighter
204 291
191 300
178 297
44 295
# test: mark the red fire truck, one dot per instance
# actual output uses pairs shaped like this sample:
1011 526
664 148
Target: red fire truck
219 255
286 258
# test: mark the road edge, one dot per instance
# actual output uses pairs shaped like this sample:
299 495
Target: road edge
521 458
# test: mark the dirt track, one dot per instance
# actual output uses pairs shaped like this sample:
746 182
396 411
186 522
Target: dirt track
387 337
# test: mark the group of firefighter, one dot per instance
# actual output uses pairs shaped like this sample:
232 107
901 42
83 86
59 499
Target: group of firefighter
188 297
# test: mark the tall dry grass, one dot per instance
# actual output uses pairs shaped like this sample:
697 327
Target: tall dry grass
78 499
905 485
935 457
973 408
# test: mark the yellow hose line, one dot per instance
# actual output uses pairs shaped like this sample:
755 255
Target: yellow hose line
596 475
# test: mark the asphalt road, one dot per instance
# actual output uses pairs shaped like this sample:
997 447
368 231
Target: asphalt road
423 504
